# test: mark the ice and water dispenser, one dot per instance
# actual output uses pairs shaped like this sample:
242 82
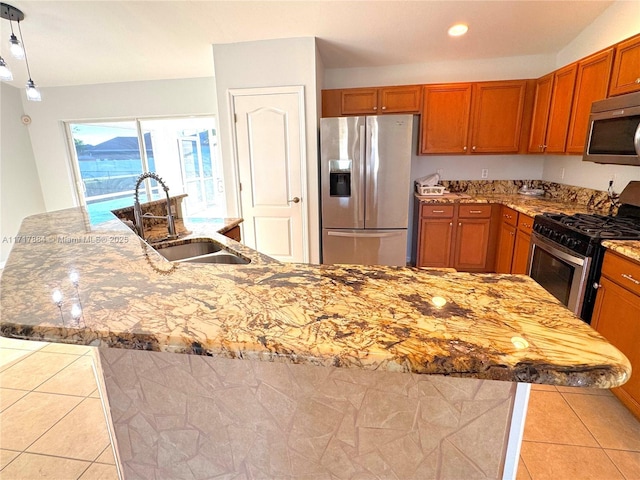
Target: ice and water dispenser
340 178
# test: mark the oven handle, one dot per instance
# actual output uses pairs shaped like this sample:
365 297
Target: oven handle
556 250
636 140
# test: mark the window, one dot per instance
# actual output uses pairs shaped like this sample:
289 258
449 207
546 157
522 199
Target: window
110 155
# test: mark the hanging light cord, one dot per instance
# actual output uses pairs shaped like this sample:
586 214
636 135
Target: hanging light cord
26 60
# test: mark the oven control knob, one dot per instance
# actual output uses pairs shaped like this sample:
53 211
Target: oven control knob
571 243
564 240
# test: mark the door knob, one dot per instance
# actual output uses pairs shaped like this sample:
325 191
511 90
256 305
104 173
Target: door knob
294 200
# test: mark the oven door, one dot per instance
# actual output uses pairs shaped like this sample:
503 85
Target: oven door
560 271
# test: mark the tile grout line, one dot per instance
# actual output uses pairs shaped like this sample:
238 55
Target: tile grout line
84 398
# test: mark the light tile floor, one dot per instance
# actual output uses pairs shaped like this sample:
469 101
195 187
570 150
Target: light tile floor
52 424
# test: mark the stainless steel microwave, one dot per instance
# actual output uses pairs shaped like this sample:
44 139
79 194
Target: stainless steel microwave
613 135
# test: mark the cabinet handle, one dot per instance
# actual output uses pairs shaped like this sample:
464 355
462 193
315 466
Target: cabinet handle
459 224
437 211
540 147
384 108
473 148
451 224
630 278
511 233
375 108
637 80
475 211
464 148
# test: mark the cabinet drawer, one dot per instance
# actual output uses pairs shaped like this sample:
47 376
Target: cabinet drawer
622 271
509 216
435 211
525 223
474 211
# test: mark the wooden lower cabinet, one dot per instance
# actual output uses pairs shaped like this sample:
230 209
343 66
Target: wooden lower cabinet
617 317
513 242
520 260
234 233
506 239
457 236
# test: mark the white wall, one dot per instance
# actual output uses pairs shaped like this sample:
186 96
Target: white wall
20 191
271 63
618 22
510 68
587 174
192 96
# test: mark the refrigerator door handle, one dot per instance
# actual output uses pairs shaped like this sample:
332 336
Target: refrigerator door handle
361 197
365 234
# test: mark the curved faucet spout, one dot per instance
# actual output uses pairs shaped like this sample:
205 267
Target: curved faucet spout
137 208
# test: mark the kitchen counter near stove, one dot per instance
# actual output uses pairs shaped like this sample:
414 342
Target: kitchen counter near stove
487 326
626 248
529 205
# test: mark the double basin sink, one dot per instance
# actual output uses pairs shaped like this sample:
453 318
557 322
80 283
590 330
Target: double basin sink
199 251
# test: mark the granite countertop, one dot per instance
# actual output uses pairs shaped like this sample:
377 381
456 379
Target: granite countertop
627 248
118 292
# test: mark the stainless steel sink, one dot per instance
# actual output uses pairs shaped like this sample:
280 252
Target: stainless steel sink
203 251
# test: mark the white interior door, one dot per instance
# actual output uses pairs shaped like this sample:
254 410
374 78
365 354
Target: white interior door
269 135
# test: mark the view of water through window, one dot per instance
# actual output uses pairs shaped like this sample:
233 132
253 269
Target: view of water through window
184 152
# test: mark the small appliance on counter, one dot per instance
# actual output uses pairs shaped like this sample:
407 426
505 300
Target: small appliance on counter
428 185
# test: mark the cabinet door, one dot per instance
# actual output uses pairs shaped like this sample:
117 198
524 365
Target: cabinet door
444 123
497 116
331 100
564 81
400 99
472 242
540 117
506 241
359 101
234 233
617 317
592 82
434 247
625 77
521 253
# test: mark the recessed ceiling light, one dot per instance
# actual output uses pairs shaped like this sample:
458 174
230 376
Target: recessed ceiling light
458 29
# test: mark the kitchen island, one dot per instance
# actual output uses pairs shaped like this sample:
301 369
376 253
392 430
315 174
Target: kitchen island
331 382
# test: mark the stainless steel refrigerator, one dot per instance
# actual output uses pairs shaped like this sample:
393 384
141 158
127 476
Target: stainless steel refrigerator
365 172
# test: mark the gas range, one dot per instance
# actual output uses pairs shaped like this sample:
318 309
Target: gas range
566 252
582 232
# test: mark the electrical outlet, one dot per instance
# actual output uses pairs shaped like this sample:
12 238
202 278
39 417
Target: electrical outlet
485 173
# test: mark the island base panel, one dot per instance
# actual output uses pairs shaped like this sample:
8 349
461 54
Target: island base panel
188 416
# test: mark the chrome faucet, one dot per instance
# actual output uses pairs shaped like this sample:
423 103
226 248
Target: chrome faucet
137 208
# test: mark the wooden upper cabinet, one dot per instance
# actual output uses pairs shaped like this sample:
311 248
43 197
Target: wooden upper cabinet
444 125
625 77
564 81
371 101
405 99
359 101
540 119
497 116
592 83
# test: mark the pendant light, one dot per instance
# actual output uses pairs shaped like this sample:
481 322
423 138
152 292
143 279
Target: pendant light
18 51
5 73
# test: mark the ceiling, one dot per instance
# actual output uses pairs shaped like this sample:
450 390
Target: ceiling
87 42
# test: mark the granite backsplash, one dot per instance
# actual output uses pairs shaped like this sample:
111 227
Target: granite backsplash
592 199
